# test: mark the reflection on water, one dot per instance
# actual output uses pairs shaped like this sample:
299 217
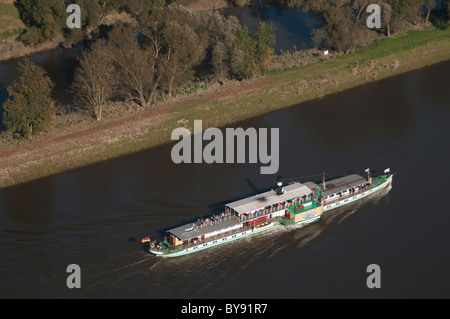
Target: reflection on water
293 25
59 64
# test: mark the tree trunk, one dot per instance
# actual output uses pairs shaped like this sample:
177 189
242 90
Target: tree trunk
428 16
98 113
417 18
142 99
171 79
153 89
388 27
30 131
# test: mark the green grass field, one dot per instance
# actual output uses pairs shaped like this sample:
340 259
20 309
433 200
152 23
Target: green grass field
10 23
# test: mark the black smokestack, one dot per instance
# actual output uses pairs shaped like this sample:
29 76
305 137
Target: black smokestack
280 185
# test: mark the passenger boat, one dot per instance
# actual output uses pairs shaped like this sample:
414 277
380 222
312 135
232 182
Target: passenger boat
296 203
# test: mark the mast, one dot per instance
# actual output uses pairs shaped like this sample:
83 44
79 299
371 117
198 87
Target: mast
323 177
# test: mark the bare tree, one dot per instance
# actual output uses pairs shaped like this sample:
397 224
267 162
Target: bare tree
94 79
136 66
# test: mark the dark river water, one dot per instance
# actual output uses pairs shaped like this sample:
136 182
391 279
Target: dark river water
59 64
95 216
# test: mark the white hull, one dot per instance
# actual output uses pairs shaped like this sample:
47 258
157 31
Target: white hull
218 241
310 220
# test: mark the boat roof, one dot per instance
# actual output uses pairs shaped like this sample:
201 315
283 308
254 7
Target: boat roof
269 198
311 185
184 232
339 184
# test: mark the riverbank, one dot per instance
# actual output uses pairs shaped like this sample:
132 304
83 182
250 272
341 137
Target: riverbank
81 145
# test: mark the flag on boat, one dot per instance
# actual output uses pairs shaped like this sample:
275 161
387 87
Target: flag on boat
367 170
387 170
145 240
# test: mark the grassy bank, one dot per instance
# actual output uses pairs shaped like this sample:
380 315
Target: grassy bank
10 22
278 89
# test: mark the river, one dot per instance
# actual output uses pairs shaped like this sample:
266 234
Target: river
95 216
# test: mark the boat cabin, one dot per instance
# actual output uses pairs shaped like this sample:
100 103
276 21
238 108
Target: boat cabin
343 186
269 204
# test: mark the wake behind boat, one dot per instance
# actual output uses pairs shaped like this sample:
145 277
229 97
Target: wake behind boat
297 203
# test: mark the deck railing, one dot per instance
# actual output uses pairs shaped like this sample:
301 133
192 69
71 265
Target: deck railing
376 181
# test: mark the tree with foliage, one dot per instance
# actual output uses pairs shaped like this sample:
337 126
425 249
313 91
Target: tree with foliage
93 14
94 81
344 20
253 51
30 108
184 51
264 37
45 18
244 63
404 13
344 24
221 35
